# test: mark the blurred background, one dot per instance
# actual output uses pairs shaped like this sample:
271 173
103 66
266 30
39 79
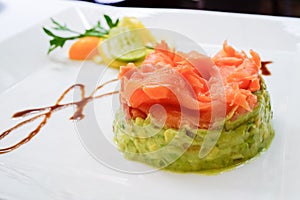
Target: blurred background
265 7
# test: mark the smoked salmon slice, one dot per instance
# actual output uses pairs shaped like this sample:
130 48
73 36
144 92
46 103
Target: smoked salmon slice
183 83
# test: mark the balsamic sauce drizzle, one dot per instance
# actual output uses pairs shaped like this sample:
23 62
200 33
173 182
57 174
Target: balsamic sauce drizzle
46 112
264 69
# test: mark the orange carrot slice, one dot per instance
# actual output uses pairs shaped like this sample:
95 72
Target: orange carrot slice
84 48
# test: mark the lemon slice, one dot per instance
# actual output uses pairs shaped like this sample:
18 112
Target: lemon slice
131 22
125 44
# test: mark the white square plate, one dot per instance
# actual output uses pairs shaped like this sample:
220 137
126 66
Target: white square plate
55 165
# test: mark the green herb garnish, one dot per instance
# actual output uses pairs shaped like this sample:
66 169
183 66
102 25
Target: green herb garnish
109 21
97 31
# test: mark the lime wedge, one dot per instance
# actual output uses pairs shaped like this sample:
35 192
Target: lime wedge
125 44
132 55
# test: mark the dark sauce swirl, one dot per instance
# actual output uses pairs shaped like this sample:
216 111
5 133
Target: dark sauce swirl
264 69
46 112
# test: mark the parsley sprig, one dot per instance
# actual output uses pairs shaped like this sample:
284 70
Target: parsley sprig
98 31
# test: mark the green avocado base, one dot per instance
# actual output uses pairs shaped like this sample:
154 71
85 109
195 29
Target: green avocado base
178 150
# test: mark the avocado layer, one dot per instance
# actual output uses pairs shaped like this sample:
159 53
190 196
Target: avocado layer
178 150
